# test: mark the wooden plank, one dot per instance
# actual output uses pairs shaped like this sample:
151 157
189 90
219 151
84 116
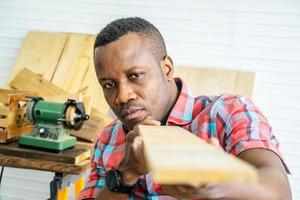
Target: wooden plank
64 59
3 135
71 156
45 165
40 53
14 132
85 145
6 96
29 81
175 156
3 122
242 83
207 81
92 90
75 60
85 88
3 98
12 115
3 110
98 100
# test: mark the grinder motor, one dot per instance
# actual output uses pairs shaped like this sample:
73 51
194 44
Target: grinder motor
51 121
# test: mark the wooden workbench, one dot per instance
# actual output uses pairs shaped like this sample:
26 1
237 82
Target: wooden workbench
68 165
71 161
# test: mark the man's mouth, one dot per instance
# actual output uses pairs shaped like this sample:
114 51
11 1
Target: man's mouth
131 113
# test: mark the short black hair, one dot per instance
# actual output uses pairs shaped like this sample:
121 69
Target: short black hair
140 26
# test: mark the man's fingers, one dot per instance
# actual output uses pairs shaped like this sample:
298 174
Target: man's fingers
137 143
134 132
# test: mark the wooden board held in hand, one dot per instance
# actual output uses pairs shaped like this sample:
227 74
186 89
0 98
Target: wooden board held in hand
176 156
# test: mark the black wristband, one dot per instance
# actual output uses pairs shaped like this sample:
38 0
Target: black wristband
114 183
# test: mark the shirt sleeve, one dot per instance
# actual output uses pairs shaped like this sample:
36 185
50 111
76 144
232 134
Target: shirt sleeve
243 126
96 178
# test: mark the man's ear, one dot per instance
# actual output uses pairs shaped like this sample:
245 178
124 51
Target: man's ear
168 68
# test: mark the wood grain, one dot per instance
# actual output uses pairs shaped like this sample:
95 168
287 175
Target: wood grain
66 61
27 80
40 53
13 121
74 62
176 156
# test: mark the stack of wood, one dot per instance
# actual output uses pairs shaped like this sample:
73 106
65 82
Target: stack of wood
13 120
58 66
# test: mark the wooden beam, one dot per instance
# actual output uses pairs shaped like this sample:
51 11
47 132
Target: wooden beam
27 80
243 83
3 122
3 109
176 156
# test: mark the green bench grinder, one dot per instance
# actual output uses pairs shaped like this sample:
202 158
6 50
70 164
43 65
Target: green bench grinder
51 121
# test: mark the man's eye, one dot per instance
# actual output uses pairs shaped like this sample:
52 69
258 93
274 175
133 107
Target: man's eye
135 76
109 85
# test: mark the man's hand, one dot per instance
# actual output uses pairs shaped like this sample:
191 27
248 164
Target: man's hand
133 164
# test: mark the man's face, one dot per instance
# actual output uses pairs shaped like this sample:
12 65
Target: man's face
134 84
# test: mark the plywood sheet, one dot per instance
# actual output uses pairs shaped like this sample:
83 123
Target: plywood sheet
175 156
66 61
74 62
40 53
206 81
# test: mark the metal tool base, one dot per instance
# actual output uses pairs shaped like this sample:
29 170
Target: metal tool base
58 145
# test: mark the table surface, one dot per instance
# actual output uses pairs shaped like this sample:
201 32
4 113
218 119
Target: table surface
70 161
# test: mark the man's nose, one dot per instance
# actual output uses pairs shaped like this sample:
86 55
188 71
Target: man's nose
125 93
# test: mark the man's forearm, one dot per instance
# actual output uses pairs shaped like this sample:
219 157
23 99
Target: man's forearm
272 184
272 179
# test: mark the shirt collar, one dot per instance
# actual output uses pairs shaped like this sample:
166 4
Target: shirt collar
182 112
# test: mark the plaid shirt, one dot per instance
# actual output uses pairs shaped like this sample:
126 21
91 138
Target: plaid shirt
234 120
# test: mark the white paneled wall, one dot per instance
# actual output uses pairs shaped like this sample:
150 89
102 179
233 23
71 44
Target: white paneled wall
254 35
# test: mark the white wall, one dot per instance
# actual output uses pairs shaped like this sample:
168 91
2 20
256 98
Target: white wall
254 35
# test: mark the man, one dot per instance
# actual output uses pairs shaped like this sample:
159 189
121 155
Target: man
136 75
